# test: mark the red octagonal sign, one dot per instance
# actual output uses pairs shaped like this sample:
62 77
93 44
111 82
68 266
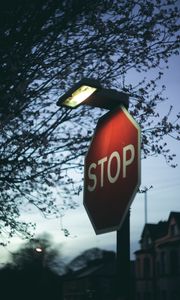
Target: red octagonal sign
112 170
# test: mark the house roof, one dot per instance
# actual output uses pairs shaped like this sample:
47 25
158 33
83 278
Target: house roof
156 230
103 269
97 269
160 230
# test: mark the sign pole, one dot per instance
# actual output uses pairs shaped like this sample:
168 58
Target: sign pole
123 260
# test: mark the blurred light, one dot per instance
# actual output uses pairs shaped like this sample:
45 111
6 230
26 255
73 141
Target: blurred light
38 249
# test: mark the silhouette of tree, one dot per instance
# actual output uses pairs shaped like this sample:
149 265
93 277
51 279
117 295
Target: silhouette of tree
28 284
89 256
35 271
39 253
46 46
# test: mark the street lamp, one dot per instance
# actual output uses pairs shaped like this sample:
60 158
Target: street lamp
39 249
90 92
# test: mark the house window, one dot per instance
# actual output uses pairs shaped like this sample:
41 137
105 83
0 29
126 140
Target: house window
174 262
147 296
146 267
164 295
138 296
149 241
158 268
175 295
162 257
173 229
138 268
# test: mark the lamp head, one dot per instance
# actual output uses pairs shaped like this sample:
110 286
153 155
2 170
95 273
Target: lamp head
90 92
79 93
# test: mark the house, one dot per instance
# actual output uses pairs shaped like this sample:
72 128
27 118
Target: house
157 264
94 281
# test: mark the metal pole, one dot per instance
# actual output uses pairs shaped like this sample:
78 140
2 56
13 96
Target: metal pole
145 205
123 260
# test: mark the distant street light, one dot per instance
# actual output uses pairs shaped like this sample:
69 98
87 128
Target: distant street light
39 250
41 257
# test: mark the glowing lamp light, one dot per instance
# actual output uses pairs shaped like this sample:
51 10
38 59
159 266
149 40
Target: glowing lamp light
90 92
79 96
38 249
79 93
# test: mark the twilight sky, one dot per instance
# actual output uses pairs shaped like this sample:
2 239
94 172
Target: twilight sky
163 198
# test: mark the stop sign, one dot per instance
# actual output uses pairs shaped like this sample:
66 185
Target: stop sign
112 170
